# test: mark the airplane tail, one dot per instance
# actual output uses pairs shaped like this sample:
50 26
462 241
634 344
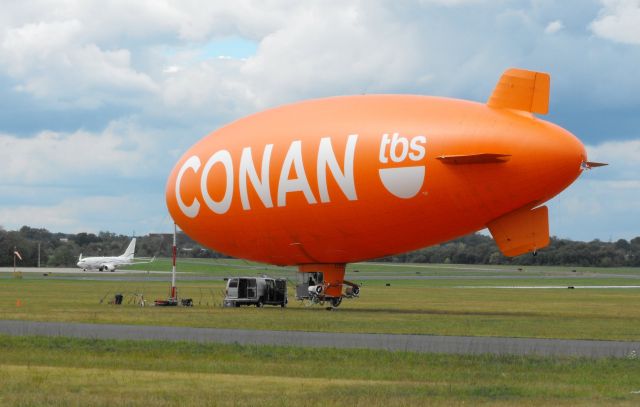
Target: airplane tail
80 258
130 249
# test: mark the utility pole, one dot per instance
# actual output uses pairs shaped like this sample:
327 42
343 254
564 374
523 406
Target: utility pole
38 254
174 295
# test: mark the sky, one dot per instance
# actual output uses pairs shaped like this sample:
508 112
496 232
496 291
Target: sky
99 99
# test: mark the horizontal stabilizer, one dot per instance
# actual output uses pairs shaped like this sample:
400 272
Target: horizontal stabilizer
521 231
484 158
522 90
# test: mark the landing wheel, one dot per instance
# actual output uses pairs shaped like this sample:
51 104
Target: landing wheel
335 302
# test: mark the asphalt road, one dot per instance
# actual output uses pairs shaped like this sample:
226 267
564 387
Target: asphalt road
73 271
409 343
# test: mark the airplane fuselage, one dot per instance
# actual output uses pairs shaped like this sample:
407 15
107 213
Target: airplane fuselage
108 263
102 263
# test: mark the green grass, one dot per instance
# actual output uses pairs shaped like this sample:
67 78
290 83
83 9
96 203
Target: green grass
237 266
210 266
418 307
59 371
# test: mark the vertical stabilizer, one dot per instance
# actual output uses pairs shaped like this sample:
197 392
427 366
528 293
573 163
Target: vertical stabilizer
130 249
522 90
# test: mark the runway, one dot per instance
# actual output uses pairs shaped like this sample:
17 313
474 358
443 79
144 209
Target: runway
392 342
76 271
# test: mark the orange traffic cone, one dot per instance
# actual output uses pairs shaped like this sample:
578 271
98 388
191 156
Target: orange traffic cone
18 303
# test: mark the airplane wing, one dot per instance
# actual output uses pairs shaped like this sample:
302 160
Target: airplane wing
524 90
142 260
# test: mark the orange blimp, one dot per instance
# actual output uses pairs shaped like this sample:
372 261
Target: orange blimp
326 182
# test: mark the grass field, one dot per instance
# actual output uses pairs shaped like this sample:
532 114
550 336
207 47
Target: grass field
58 371
61 372
435 306
224 267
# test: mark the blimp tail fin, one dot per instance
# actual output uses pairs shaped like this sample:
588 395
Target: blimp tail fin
521 231
524 90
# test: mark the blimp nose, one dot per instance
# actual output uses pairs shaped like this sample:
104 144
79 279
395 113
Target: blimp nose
560 158
571 149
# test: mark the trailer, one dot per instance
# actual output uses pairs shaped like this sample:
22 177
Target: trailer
258 291
311 289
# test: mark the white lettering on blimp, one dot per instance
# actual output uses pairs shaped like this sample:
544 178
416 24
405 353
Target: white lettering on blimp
189 210
414 149
326 158
299 184
344 178
260 185
223 157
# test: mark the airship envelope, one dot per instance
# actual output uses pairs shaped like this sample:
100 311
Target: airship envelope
325 182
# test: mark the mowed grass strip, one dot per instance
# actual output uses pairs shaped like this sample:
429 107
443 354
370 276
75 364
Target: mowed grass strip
414 309
238 266
61 371
222 267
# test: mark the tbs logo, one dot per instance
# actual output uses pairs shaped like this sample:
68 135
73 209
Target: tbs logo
402 181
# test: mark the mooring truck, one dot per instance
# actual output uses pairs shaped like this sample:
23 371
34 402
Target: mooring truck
258 291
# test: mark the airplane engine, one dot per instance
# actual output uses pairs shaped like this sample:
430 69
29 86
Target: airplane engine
107 267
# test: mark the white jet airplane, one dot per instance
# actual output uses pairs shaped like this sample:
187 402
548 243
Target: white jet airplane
111 263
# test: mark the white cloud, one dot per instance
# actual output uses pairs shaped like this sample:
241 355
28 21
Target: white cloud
449 2
121 150
340 49
91 214
553 27
52 62
604 202
211 89
594 209
171 69
623 158
619 20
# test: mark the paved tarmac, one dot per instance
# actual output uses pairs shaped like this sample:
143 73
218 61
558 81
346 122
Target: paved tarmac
408 343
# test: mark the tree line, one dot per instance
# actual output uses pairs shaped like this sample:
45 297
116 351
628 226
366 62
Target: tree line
480 249
63 249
